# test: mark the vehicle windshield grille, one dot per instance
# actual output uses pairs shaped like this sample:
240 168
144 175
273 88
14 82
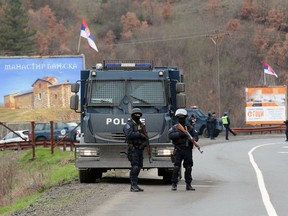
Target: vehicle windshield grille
112 136
139 93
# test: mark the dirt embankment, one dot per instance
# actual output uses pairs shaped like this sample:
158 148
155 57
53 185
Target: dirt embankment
72 199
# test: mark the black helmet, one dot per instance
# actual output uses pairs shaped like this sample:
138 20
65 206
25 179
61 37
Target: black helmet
136 111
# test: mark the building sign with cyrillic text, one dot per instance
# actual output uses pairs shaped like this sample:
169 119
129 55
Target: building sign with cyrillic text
18 73
266 105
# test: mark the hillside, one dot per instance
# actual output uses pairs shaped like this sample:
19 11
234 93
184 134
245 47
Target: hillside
38 115
220 45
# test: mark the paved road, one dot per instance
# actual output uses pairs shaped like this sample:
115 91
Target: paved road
231 178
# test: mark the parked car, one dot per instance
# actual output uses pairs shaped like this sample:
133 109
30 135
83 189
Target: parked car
200 125
60 130
12 137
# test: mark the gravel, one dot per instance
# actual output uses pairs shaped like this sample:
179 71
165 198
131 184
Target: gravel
72 199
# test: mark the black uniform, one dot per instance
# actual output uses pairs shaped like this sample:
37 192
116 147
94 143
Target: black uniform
211 126
135 140
192 121
182 152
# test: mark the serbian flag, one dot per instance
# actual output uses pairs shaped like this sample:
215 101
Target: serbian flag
85 32
269 70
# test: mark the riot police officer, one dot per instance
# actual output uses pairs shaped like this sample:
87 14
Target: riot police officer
135 139
211 122
182 150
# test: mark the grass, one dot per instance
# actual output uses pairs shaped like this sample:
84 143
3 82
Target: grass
40 115
30 178
19 204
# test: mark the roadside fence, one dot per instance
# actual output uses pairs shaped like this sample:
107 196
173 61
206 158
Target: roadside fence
32 144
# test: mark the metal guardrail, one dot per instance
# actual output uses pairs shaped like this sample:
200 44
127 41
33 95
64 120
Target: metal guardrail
71 144
23 145
262 129
26 144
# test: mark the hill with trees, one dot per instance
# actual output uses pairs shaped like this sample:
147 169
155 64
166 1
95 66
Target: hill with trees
214 42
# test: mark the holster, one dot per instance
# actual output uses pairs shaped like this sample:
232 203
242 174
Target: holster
129 152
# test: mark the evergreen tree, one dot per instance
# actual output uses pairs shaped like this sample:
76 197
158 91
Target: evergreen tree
15 36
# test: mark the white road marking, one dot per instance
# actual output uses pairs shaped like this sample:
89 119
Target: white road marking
283 152
265 196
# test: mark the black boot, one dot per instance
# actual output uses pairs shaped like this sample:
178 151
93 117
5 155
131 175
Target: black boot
189 187
140 189
134 187
174 187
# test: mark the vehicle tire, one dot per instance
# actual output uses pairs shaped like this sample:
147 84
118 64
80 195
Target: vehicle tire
216 133
205 133
40 139
87 176
98 173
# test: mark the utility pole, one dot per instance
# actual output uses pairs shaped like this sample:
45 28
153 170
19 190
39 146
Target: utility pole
217 38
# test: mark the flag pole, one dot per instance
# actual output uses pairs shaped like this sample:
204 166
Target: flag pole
264 80
79 44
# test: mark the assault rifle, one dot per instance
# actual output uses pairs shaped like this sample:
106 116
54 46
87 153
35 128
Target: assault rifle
190 138
146 143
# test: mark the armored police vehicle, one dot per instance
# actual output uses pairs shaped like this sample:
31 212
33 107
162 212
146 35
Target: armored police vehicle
108 93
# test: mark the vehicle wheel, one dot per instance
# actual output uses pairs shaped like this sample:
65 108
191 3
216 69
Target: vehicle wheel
216 133
87 176
41 139
98 173
205 133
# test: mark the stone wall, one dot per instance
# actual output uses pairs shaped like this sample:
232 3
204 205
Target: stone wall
24 101
45 94
9 101
60 95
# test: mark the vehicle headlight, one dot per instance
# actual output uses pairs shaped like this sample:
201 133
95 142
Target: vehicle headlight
164 151
88 152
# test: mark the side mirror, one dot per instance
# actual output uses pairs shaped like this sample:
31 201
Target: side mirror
75 87
74 102
180 87
181 100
